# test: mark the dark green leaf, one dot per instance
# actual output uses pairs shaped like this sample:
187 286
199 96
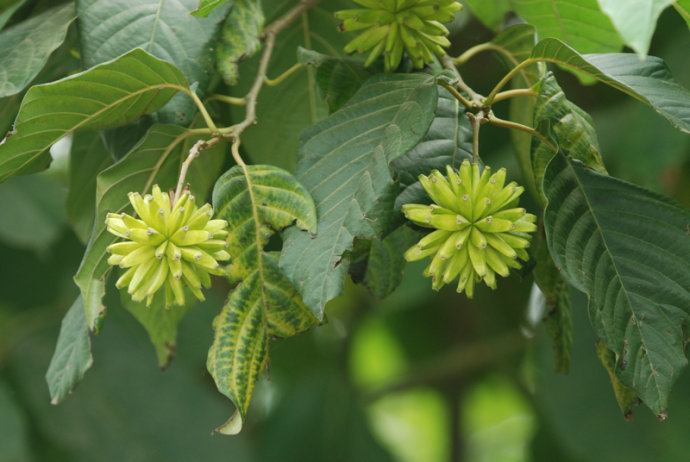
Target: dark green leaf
72 357
120 140
338 78
31 212
7 9
385 265
566 124
206 6
283 111
87 158
93 99
163 28
156 160
26 47
240 37
628 249
635 21
447 142
256 202
160 323
579 23
557 314
647 80
343 162
8 111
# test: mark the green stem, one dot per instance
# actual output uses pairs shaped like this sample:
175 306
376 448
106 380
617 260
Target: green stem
456 94
476 120
488 46
227 99
476 98
283 76
523 128
512 73
513 93
202 109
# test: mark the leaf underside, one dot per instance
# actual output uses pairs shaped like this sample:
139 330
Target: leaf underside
629 250
264 304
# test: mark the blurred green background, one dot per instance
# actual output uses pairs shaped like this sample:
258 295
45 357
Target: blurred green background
419 377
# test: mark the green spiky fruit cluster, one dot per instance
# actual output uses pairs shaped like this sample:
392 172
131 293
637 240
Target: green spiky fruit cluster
479 230
394 26
168 247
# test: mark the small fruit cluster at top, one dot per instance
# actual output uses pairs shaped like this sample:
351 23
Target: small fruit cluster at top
394 26
479 230
168 247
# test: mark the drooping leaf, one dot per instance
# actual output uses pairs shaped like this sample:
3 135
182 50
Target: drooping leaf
256 203
26 46
579 23
338 78
88 157
206 6
72 356
647 80
557 316
490 13
386 264
343 162
447 142
93 99
163 28
156 160
160 323
566 124
635 20
283 111
240 37
628 249
31 212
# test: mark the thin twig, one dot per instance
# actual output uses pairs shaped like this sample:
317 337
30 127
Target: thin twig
456 94
513 93
493 120
449 63
477 120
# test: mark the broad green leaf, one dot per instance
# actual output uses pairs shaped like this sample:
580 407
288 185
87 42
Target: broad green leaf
156 160
386 264
120 140
31 212
72 356
8 111
338 78
93 99
647 80
628 250
240 37
160 323
557 314
683 9
579 23
566 124
447 142
87 158
26 47
343 162
490 12
206 6
163 28
635 20
283 111
627 398
256 202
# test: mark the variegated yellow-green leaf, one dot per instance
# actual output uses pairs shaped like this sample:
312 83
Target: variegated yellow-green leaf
240 37
256 203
